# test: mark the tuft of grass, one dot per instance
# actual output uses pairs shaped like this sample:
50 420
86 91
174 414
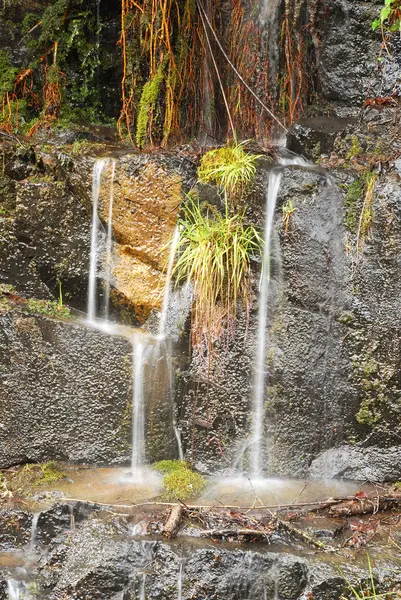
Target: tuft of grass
229 167
366 217
367 591
214 254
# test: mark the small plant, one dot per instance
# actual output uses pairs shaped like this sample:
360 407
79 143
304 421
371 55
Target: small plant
288 211
390 17
229 167
367 592
48 307
180 482
215 256
366 217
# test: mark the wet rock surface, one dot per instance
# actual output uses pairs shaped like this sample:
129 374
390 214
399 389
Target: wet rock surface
100 559
65 392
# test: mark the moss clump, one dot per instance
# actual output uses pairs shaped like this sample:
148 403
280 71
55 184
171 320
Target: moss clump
147 104
180 482
48 307
169 466
354 195
8 74
25 480
355 148
51 472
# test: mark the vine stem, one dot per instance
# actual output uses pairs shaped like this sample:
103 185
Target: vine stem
272 115
218 76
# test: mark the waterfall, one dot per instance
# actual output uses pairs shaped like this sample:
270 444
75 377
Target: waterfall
138 409
34 530
100 165
259 372
98 168
143 588
109 244
167 287
259 378
179 582
17 590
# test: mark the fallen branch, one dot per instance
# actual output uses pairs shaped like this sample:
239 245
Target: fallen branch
364 506
235 533
299 533
173 522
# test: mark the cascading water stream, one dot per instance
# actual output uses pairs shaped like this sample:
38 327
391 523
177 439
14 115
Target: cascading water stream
109 244
167 287
274 182
98 169
100 165
17 590
34 529
259 372
138 409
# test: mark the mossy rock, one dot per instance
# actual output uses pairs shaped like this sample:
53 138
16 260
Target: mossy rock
180 482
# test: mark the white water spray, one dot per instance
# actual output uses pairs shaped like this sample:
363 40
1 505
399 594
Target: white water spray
109 244
34 530
17 590
98 169
138 408
259 373
167 287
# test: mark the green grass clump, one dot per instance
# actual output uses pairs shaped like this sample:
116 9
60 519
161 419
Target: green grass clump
31 476
229 167
51 472
215 256
48 307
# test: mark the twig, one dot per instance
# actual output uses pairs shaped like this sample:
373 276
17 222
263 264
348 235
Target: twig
202 10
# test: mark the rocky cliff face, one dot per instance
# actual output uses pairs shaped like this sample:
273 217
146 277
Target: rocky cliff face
333 390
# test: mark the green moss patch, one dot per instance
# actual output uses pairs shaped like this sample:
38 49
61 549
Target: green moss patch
26 480
180 482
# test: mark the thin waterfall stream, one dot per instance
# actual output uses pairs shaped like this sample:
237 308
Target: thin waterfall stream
258 460
260 369
142 351
109 245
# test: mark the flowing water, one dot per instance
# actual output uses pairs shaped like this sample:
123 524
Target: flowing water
109 244
167 287
34 530
138 409
98 169
259 378
17 590
260 368
179 582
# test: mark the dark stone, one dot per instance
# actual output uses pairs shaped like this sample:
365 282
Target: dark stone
316 135
65 392
347 52
15 529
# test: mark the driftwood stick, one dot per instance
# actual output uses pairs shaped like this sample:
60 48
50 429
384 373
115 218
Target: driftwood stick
319 505
365 506
173 522
223 533
299 533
